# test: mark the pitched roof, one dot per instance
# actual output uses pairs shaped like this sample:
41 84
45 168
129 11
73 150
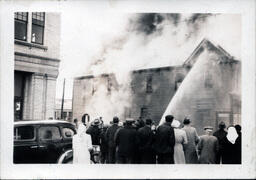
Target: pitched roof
205 43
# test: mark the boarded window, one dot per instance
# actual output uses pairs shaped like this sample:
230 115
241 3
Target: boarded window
149 88
109 87
208 81
143 112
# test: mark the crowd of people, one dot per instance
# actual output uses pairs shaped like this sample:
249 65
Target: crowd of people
141 142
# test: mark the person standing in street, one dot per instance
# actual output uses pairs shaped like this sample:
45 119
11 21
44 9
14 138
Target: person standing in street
103 144
190 148
126 141
82 145
165 141
230 150
239 144
208 147
146 139
94 131
109 137
180 141
220 134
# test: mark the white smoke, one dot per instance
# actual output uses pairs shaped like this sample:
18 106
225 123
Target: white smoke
114 45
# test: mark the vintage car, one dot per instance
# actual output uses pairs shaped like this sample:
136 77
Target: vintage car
44 141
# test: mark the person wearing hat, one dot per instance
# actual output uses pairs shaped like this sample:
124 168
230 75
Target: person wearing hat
109 136
126 141
94 131
220 134
208 147
192 137
146 139
165 141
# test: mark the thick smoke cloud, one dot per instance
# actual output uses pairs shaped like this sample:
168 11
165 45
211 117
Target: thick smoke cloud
121 43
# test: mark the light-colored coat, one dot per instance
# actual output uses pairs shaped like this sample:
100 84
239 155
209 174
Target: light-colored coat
81 143
180 140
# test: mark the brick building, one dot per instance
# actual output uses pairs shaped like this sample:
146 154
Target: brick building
37 53
215 94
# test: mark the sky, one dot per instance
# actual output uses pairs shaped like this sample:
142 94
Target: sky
107 42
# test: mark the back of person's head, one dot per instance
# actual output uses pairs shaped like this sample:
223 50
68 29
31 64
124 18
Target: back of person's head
238 128
148 121
115 120
83 119
75 120
222 125
169 118
186 121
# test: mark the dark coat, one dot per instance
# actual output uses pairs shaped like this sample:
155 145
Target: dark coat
110 133
146 140
164 139
126 141
231 152
103 142
220 135
94 131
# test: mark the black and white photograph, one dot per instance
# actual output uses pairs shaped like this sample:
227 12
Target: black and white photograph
113 87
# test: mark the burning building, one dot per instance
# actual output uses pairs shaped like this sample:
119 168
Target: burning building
211 91
206 88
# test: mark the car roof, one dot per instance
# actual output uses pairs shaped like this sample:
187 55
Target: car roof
41 122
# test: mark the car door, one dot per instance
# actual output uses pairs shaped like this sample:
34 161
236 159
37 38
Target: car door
49 143
25 144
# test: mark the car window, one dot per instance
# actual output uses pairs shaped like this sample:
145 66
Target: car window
24 133
68 132
49 133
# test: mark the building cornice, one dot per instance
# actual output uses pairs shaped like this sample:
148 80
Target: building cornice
36 56
30 45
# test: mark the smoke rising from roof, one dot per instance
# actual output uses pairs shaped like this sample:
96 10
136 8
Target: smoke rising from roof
119 43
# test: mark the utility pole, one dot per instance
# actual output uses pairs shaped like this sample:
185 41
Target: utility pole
62 101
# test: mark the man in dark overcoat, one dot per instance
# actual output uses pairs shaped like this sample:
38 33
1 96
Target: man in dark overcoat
165 141
126 143
220 134
146 139
110 133
94 131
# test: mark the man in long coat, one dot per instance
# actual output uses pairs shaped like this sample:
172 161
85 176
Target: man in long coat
146 139
190 148
126 141
110 134
165 141
220 134
208 147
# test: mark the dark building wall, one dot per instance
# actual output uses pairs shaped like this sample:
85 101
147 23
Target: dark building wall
150 101
150 92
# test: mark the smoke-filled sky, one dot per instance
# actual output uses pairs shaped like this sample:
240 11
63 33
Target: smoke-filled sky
95 43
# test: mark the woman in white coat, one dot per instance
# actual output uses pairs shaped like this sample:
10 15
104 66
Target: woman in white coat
82 144
180 140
